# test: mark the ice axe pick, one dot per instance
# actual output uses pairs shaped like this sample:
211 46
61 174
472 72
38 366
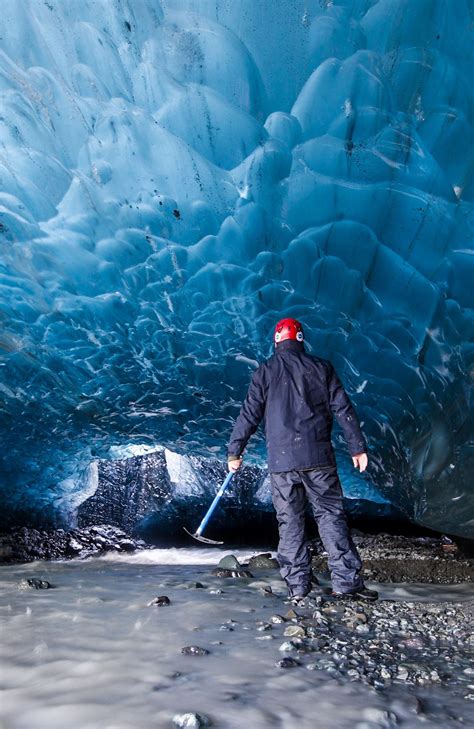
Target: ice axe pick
198 533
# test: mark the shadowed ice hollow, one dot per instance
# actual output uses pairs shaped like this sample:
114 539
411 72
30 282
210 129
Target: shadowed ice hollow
176 175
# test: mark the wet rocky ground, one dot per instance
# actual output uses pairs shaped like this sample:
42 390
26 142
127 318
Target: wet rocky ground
386 557
377 643
391 558
219 644
26 545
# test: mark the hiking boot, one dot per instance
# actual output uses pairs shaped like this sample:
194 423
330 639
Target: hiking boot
362 593
298 594
297 599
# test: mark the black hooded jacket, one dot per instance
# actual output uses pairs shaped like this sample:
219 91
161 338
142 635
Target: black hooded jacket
297 395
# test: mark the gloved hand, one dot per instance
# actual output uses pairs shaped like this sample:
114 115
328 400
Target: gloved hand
234 464
360 461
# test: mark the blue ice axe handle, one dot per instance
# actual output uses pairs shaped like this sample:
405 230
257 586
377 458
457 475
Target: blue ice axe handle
198 533
216 500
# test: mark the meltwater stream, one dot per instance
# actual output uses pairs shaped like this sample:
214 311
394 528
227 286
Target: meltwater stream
91 653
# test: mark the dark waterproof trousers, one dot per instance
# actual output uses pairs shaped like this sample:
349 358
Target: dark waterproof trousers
320 487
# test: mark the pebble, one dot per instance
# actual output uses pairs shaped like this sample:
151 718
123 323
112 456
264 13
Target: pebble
294 631
194 650
35 584
160 601
287 662
402 673
288 645
191 721
277 619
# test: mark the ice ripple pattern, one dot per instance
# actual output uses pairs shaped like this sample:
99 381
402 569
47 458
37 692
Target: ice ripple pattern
176 175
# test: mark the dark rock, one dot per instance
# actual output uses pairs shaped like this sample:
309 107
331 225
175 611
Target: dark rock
229 566
219 572
127 545
287 662
229 562
263 562
25 545
194 650
277 619
160 601
74 547
35 584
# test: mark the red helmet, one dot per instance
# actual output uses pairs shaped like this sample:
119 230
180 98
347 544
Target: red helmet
288 329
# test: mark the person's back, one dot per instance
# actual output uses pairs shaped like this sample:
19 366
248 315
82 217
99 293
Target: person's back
300 394
297 395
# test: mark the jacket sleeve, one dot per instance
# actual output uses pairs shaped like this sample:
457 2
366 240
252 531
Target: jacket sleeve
251 413
345 415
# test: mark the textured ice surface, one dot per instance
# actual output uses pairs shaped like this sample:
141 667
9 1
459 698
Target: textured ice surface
175 175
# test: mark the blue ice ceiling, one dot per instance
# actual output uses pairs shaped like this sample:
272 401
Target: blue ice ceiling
176 175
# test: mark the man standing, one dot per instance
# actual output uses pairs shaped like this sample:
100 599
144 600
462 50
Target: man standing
297 395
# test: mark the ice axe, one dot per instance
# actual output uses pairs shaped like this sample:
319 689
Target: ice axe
198 533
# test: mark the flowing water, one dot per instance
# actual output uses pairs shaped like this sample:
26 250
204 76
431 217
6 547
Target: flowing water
90 653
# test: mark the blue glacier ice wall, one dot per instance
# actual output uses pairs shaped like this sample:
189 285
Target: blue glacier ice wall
154 495
176 174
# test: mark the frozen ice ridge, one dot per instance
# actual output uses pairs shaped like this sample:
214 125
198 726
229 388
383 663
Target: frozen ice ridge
176 175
